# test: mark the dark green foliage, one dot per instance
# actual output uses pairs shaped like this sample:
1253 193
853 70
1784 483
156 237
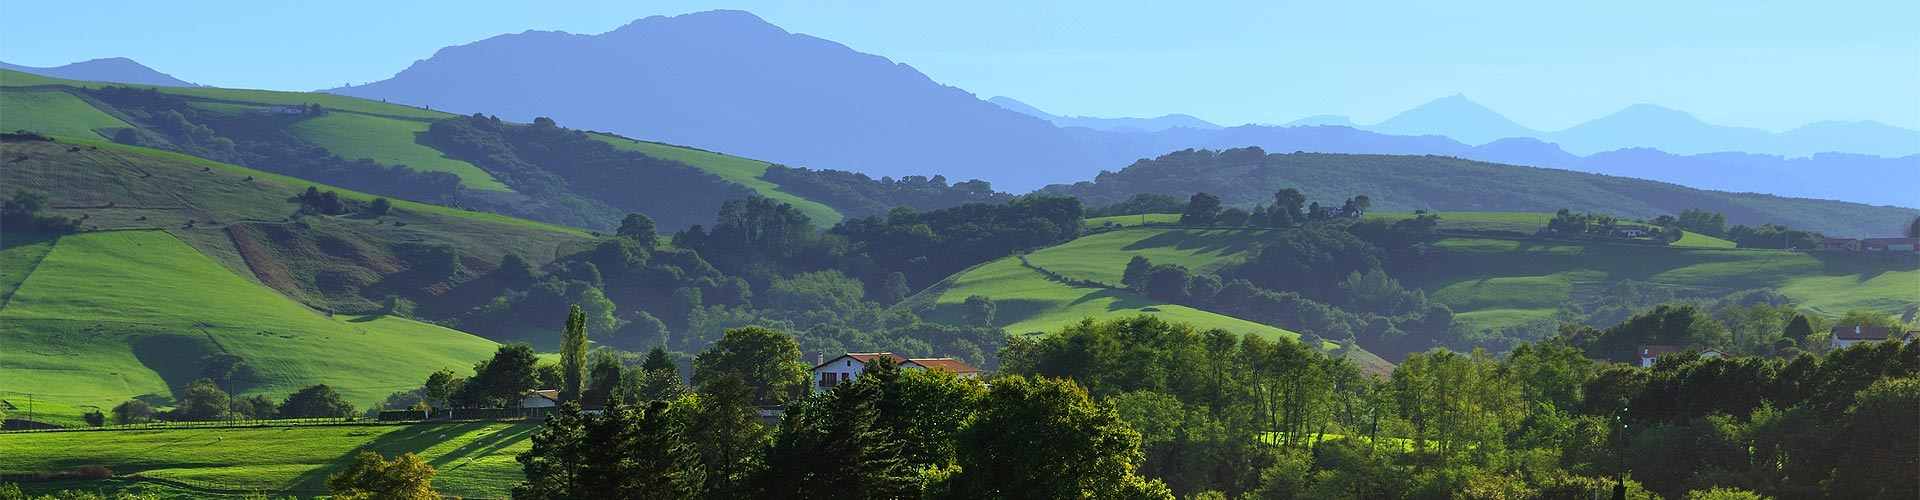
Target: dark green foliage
201 400
255 407
24 213
623 452
1664 325
1045 438
835 446
132 411
379 207
1286 210
1202 209
230 372
1143 203
573 356
978 310
1135 276
315 401
857 195
501 380
928 246
94 418
1702 221
572 178
639 228
1800 328
1311 259
765 361
1167 282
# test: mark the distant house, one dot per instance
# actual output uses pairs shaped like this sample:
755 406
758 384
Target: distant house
545 398
1842 336
1840 244
1651 353
1630 232
848 367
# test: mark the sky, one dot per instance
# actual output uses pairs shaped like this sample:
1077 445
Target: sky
1548 65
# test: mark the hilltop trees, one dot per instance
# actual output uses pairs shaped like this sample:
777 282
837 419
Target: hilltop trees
316 401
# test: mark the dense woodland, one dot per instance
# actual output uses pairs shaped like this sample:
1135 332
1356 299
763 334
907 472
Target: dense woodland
857 195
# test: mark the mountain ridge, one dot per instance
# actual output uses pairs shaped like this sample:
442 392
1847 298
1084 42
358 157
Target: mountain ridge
109 69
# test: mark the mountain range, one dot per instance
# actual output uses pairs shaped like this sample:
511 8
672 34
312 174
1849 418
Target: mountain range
729 81
112 69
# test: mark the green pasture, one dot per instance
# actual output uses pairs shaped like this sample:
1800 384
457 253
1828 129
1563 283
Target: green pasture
1103 257
1027 302
53 112
390 142
473 460
1130 220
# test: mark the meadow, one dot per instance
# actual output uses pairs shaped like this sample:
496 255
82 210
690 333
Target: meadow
53 112
389 141
1103 256
474 459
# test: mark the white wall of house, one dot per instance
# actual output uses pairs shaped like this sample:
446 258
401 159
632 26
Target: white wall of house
840 371
536 402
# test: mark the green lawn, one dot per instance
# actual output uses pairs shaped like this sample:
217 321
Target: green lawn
473 459
1103 257
742 171
110 316
1692 239
1131 220
53 112
388 141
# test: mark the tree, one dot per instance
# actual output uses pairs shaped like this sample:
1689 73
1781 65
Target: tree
638 228
643 329
501 379
254 407
514 271
133 411
728 436
316 401
978 310
1135 276
1202 209
894 288
573 356
834 446
94 418
604 378
1168 282
768 362
373 477
1288 208
1799 329
202 400
228 371
657 360
1045 438
440 387
1233 216
379 207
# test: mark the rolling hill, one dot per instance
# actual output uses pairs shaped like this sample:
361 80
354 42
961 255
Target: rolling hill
112 69
1249 176
181 257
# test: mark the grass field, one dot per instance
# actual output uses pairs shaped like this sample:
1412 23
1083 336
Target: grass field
1495 282
390 142
1027 302
53 112
1130 220
474 460
1692 239
10 78
1103 257
110 316
742 171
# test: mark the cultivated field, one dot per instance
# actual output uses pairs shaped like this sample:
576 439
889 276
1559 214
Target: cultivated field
474 460
53 112
389 141
1027 302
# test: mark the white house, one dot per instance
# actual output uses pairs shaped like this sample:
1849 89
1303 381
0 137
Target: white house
1842 336
848 367
1651 353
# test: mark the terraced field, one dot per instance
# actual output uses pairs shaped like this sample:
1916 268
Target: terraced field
474 460
742 171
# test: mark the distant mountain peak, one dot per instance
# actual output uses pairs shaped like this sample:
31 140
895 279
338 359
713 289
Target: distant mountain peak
1123 124
106 69
1454 116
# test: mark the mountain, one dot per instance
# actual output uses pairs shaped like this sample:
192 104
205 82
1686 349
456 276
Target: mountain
1323 120
1647 125
1863 137
729 81
1453 116
112 69
1154 124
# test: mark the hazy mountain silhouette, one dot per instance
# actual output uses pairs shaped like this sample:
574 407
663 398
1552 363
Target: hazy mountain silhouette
1454 116
112 69
1154 124
729 81
1323 120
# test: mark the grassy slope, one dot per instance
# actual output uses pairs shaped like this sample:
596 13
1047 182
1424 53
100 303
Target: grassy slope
742 171
1103 257
10 78
1028 302
1131 220
110 316
473 459
1502 282
390 142
52 112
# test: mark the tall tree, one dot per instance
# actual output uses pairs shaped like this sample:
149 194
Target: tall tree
639 228
1202 209
1289 208
834 447
768 362
1045 438
573 355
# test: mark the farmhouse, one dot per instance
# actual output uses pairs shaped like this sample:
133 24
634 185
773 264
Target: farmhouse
1630 232
545 398
1843 336
848 367
1890 245
1651 353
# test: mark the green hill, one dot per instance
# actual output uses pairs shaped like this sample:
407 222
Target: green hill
53 112
474 459
182 257
390 141
742 171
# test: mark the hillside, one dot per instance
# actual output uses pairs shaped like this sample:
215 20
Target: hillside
112 69
474 459
190 257
1249 176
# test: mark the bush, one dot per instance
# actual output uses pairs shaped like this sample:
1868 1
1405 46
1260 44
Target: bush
95 418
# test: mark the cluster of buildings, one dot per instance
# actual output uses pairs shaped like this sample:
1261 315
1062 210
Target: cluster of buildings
827 373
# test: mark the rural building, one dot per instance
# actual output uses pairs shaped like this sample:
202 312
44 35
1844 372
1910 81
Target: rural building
1840 244
545 398
848 367
1651 353
1842 336
1890 244
1631 232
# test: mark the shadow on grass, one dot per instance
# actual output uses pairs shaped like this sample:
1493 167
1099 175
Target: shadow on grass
409 438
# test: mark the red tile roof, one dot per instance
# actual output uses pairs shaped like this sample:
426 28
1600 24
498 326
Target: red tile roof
948 365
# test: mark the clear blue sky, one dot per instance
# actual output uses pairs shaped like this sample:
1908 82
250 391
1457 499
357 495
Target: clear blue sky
1763 63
